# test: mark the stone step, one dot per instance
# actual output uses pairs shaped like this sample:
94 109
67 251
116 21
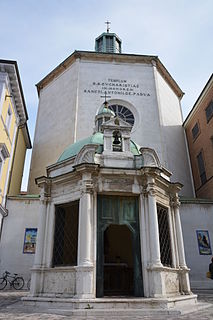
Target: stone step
144 305
115 313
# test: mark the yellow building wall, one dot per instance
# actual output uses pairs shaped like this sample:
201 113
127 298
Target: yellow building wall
6 137
18 165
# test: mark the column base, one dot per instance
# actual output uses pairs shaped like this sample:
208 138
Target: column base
85 282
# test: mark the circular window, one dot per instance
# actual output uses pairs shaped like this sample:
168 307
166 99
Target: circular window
123 112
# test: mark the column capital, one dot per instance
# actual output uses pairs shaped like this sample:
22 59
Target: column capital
151 188
44 199
144 191
87 186
174 201
44 183
45 193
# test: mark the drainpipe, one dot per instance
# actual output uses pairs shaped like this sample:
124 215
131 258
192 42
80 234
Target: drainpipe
4 213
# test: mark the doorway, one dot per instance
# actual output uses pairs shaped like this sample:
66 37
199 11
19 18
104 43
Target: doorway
119 270
118 261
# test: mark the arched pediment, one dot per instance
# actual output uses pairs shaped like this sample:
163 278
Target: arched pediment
150 158
86 154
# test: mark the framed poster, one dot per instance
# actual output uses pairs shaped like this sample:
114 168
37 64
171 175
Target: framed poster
204 242
30 240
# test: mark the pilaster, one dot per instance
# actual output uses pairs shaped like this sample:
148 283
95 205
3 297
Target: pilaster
37 276
155 268
183 270
85 268
153 224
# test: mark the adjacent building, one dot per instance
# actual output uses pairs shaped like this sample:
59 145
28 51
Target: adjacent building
14 135
199 132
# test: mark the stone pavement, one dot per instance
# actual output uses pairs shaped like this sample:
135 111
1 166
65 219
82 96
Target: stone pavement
12 308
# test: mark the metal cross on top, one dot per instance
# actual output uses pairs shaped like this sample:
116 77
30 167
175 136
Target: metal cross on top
105 96
108 23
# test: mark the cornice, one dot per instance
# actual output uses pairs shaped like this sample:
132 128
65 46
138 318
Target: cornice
111 57
13 83
195 107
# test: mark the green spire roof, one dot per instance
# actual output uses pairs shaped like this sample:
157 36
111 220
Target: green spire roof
108 42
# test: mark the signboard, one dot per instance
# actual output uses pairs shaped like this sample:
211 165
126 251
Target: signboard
122 87
204 242
30 240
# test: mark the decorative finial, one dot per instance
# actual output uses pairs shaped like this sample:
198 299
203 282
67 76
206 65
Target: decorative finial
105 96
108 23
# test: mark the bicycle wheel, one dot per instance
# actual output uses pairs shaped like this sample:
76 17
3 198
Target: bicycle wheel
18 283
3 283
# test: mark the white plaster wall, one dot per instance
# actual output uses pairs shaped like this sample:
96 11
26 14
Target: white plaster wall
68 106
22 214
175 152
64 104
55 123
197 217
144 107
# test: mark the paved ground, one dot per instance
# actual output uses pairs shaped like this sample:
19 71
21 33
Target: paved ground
12 308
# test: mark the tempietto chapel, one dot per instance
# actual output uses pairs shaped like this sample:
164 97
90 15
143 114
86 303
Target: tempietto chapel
109 164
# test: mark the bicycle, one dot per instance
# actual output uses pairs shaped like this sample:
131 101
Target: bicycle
16 282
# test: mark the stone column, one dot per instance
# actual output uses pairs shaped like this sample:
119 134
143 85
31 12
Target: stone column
155 268
85 268
49 239
41 233
144 240
181 253
171 232
184 276
37 275
85 223
153 225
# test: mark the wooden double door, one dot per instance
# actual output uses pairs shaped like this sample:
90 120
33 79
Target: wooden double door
119 270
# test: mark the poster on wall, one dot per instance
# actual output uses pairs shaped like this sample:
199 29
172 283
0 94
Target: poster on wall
30 240
204 242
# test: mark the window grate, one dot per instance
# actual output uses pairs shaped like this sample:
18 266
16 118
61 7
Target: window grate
66 235
164 236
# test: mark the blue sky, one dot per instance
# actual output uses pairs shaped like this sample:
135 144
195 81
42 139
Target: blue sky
41 34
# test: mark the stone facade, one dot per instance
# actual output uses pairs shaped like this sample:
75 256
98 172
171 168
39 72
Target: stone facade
149 183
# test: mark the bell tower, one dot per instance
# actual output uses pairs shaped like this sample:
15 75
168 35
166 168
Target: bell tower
117 149
108 42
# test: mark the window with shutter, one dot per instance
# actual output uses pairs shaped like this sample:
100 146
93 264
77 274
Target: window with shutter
209 111
195 131
201 168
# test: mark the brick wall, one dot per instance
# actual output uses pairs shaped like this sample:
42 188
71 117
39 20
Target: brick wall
202 143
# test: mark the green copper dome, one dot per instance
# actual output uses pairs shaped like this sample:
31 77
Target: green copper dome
106 110
96 138
74 148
